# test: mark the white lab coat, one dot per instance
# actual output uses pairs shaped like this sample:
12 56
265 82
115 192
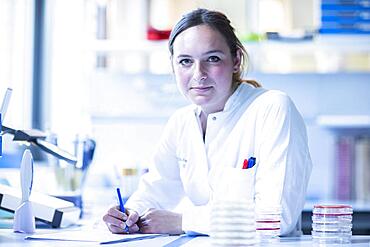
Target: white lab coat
255 122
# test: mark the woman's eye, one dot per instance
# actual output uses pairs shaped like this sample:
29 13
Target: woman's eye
213 59
185 62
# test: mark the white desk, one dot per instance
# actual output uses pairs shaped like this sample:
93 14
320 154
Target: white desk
94 212
10 239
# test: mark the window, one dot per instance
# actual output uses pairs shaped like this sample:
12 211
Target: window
16 35
16 43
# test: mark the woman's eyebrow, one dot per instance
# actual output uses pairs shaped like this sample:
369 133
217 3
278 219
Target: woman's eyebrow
182 55
213 51
205 53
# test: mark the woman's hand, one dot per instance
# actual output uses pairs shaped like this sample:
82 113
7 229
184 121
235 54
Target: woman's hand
160 221
117 221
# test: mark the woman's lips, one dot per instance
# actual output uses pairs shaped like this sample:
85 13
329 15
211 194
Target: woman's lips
201 89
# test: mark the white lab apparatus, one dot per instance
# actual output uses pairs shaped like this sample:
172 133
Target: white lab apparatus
233 209
233 223
268 223
332 224
24 219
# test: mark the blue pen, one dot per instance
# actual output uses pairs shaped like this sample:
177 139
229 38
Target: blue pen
121 206
251 162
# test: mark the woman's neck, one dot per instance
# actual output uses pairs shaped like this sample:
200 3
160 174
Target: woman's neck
203 123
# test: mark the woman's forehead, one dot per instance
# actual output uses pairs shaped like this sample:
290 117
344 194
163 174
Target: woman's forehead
199 38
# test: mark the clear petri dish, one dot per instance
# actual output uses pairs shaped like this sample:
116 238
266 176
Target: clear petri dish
332 210
269 209
232 220
332 227
268 231
331 237
233 235
268 235
272 213
234 204
232 228
332 219
233 223
267 225
231 213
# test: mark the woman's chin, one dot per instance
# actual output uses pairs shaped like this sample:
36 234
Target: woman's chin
200 100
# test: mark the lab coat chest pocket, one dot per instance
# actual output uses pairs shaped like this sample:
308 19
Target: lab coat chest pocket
236 184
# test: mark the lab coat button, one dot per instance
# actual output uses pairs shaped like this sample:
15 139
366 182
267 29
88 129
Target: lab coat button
214 118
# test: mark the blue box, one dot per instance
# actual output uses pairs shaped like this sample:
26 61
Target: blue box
338 15
345 17
362 5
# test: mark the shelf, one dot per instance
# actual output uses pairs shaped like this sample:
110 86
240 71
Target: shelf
344 121
337 43
323 54
143 46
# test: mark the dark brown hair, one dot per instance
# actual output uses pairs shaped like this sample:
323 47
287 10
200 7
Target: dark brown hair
219 22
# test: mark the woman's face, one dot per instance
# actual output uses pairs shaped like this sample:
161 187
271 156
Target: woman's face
203 67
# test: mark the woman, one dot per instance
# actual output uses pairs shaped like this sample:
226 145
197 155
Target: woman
229 121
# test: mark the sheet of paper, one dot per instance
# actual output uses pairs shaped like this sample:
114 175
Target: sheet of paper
200 241
100 236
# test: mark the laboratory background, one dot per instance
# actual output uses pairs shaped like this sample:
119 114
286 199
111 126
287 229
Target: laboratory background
95 75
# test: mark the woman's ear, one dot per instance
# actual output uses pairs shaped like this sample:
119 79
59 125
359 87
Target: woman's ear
237 61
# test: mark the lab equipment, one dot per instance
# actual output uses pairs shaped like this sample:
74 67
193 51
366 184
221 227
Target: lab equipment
3 109
24 219
69 179
48 209
232 220
33 136
268 222
332 224
129 179
233 223
51 210
5 103
37 138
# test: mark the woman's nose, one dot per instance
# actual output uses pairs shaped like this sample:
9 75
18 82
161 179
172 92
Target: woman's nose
199 73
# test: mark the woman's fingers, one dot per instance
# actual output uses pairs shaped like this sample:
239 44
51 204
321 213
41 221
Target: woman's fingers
115 229
132 218
133 229
115 212
114 221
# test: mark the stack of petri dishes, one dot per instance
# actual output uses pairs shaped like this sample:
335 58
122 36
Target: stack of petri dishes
233 223
332 224
268 222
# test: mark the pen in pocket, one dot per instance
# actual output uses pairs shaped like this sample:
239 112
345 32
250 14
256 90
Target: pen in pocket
249 163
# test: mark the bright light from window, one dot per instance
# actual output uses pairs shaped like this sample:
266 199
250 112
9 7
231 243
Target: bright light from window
16 27
271 16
